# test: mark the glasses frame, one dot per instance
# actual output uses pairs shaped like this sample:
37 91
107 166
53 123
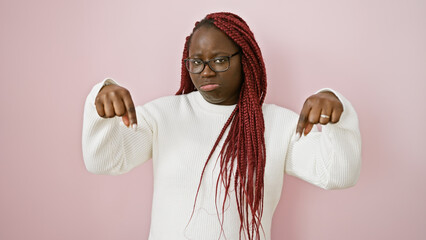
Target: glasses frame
208 63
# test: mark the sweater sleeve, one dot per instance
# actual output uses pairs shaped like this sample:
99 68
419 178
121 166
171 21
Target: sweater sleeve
109 147
330 159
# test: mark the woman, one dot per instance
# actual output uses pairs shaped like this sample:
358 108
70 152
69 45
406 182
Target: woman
219 154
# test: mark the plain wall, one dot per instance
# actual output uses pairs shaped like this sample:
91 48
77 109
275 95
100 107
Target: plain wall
52 53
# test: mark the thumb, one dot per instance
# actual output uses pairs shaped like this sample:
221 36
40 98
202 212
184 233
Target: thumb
125 119
308 128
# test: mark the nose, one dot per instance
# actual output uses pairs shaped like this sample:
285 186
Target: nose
207 71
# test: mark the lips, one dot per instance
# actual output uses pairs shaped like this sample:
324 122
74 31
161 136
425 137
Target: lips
209 87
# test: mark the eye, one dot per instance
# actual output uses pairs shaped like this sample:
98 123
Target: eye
197 61
219 60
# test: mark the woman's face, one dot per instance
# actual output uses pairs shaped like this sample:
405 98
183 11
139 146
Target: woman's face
221 88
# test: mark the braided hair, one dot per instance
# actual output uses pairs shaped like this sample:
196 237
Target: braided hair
245 142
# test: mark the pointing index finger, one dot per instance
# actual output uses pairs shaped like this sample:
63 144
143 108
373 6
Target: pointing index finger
131 111
303 121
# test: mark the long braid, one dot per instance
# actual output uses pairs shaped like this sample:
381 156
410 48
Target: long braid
245 142
186 86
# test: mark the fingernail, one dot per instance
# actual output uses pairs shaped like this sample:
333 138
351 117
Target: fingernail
298 136
134 126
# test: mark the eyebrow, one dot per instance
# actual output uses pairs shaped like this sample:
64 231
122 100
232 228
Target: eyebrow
215 54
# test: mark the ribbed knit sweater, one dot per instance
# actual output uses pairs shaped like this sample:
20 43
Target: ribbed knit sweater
178 133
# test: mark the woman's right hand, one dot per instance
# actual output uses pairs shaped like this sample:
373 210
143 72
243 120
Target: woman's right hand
113 100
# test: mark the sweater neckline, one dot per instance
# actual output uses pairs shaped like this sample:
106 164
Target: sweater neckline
204 104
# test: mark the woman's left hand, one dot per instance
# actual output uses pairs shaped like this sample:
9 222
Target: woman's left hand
323 108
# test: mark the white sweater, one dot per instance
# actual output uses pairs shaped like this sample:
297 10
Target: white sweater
178 133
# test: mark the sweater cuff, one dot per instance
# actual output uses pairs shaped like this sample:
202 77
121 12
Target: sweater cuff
109 81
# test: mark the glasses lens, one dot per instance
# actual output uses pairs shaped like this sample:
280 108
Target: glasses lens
219 64
194 65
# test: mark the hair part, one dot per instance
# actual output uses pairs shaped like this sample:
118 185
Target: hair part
243 153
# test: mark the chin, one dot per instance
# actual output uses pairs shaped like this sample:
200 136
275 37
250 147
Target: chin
217 100
213 100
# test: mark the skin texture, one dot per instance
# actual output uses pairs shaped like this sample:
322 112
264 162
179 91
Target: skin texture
114 100
325 103
207 43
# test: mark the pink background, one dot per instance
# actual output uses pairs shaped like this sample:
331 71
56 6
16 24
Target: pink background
52 53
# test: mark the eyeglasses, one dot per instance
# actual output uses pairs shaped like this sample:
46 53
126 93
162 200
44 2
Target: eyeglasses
217 64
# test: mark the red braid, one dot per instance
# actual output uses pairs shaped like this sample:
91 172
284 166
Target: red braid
245 141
